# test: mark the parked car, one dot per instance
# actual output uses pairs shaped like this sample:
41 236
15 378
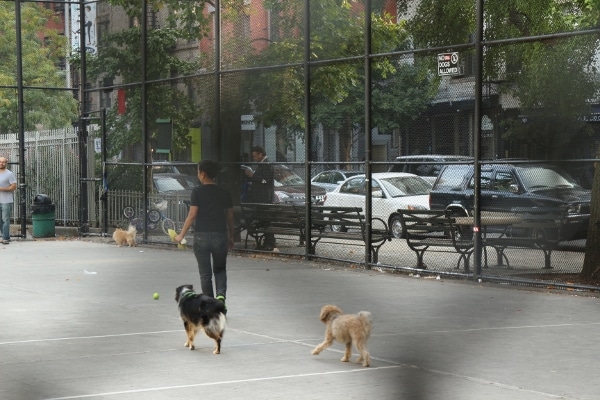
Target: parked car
427 166
331 179
291 188
175 183
390 191
173 192
531 188
175 167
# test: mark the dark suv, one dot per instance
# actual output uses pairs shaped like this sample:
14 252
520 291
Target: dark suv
507 187
427 166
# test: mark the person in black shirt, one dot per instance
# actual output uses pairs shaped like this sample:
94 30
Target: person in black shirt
262 186
262 178
211 212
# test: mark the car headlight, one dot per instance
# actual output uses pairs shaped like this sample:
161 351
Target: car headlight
574 209
280 197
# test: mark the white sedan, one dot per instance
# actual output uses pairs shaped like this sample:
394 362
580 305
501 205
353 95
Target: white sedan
390 191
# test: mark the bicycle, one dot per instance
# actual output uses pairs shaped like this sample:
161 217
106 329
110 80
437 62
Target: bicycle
165 222
153 217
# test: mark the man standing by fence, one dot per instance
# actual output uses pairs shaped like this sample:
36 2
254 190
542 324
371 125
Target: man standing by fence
8 184
262 181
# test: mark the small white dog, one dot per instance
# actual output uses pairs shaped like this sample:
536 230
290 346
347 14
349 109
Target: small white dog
125 236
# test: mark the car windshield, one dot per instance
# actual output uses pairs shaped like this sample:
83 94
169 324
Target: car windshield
286 177
452 176
175 168
544 178
405 186
169 184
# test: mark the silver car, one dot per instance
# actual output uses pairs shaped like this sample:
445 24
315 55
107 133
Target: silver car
331 179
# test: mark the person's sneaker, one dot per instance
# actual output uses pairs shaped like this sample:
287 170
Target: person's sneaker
6 242
221 298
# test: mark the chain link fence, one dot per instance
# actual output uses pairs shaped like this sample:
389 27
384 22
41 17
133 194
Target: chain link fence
329 94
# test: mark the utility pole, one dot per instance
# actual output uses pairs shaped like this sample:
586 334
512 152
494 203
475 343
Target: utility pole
21 122
82 133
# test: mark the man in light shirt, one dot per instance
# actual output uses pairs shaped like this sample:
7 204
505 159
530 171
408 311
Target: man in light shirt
8 184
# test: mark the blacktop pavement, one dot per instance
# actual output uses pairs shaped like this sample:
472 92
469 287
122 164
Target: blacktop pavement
79 322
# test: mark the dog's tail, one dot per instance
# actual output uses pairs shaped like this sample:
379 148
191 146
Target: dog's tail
218 324
366 317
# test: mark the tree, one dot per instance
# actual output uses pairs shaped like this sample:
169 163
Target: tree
42 50
119 55
399 90
554 80
553 92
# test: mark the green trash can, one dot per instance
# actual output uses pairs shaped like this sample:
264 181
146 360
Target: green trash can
43 217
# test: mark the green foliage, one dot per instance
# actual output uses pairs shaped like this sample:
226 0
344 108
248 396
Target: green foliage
400 90
552 80
125 177
185 15
47 109
554 89
120 55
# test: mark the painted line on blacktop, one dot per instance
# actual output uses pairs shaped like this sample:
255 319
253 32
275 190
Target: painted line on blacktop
270 378
299 341
273 378
87 337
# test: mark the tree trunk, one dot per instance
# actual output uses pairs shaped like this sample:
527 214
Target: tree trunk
591 262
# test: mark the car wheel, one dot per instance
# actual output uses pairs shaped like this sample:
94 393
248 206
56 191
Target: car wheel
543 234
335 227
396 227
463 232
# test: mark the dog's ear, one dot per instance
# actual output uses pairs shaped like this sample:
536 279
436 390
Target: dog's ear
180 289
329 311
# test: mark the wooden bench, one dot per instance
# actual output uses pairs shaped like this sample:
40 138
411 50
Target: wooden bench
435 231
259 219
536 230
347 223
344 223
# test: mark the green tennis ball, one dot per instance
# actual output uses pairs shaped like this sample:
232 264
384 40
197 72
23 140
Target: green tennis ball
156 296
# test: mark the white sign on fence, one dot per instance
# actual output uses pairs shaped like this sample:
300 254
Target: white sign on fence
448 64
248 122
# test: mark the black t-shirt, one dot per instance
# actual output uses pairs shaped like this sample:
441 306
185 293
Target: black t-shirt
212 202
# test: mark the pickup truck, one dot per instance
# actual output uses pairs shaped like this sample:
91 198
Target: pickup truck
530 188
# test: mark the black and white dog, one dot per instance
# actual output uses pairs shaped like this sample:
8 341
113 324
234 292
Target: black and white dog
199 311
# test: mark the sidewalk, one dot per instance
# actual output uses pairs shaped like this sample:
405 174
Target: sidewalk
80 323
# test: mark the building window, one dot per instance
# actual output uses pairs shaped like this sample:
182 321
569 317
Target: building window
102 31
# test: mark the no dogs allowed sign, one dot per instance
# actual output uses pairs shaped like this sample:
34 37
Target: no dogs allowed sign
448 64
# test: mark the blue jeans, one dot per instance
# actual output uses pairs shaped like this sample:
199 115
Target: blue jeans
215 245
5 213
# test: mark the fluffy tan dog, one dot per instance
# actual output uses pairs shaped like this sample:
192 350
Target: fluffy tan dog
125 236
347 329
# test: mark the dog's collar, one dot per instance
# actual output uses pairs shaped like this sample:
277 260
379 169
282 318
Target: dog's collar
189 293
